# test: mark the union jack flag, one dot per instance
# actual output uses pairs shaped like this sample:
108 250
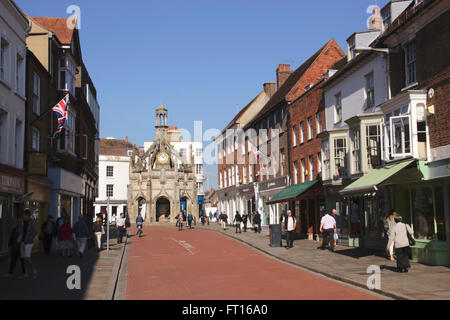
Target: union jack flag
61 113
257 154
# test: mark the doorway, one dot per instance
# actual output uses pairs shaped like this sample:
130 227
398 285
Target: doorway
162 208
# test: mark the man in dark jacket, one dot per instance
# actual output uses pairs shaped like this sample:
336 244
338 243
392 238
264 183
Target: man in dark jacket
14 244
48 231
29 236
238 220
257 222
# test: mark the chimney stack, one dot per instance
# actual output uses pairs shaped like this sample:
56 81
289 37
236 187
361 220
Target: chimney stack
376 22
283 72
269 88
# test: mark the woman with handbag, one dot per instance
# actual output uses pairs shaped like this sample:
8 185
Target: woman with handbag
401 237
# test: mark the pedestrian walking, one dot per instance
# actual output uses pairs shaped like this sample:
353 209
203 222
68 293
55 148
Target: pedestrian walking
203 220
190 219
401 236
225 220
81 234
289 224
15 241
210 216
29 236
257 222
180 221
389 224
65 238
98 230
327 228
48 231
244 220
120 225
238 220
337 218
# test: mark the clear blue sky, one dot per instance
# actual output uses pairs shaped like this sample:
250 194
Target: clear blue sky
200 58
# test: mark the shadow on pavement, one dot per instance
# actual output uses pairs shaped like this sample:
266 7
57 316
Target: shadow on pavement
51 283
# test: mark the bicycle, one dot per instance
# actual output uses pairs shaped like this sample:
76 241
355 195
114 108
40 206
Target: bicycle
139 230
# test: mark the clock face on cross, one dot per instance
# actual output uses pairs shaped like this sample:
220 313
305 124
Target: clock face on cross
163 157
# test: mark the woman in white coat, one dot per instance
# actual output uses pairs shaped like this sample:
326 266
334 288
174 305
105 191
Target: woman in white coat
399 236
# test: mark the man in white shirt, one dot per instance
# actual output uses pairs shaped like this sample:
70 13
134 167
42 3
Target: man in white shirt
289 224
120 224
328 228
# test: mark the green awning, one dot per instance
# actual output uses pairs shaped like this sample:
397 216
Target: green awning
370 181
291 192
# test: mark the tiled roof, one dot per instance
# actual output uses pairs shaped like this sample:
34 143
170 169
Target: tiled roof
114 147
58 26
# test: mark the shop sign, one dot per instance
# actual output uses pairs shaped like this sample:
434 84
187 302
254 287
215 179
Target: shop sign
273 184
11 184
37 164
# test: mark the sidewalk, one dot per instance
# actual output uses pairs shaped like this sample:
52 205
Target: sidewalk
98 276
350 265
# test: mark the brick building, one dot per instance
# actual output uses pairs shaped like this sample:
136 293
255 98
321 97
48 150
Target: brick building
275 174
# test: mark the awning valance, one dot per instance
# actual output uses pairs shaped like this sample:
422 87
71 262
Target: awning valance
292 192
370 181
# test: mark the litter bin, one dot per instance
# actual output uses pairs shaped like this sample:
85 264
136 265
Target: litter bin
275 235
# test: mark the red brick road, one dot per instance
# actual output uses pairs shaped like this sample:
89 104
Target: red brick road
168 264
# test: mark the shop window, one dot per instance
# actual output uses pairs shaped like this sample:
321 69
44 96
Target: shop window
373 139
355 135
340 157
440 213
423 213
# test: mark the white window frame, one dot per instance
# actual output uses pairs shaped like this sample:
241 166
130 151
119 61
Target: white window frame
294 137
336 156
67 66
109 171
392 132
370 89
68 134
20 72
250 173
409 63
35 139
244 173
311 168
302 132
310 128
303 170
109 190
5 63
355 142
319 123
36 94
295 172
338 108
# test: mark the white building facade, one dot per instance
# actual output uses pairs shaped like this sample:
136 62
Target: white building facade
13 29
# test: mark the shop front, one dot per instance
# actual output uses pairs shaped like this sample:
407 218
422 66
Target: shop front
66 192
306 201
39 189
246 200
227 202
270 214
407 187
12 187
